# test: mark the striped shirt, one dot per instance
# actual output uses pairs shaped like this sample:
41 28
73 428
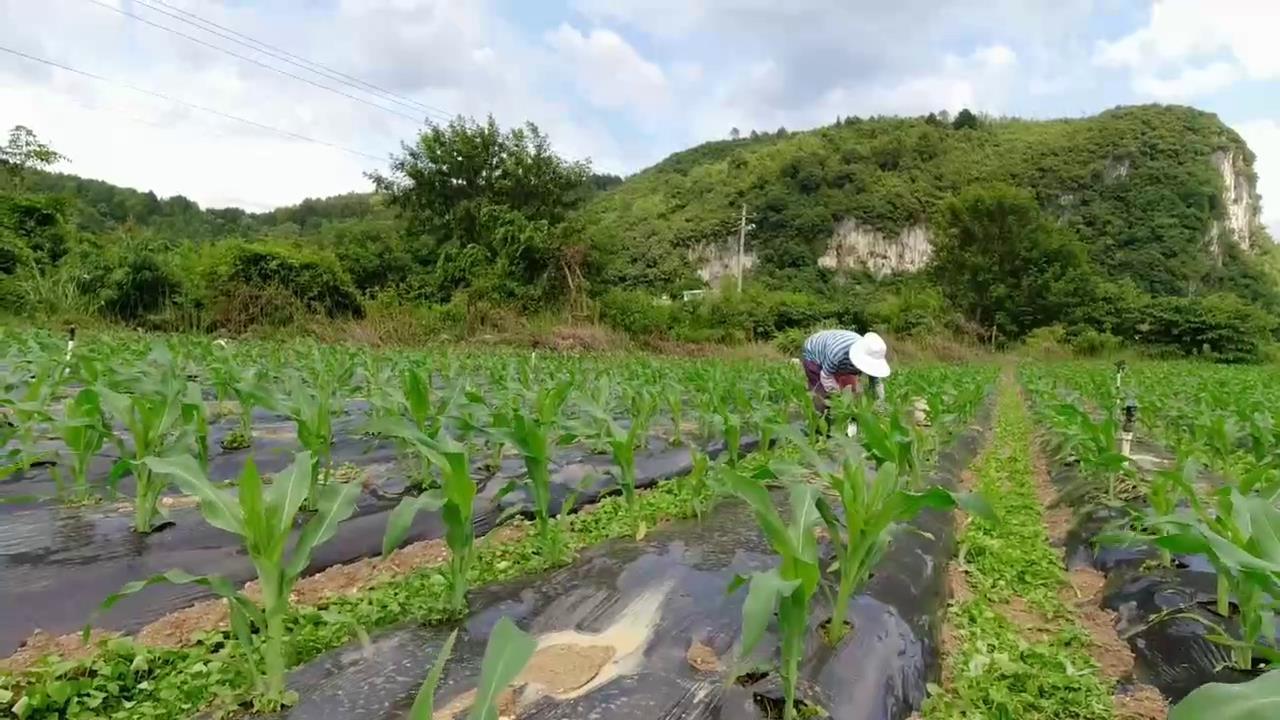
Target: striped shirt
830 350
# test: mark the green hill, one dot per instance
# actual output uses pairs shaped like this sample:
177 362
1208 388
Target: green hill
1164 195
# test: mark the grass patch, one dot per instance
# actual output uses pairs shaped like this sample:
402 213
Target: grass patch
126 680
997 669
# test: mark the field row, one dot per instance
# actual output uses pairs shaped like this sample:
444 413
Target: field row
474 439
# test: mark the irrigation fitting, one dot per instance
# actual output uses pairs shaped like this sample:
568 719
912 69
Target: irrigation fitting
1130 419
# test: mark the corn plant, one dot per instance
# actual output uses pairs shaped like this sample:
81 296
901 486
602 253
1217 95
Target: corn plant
673 398
787 589
622 444
508 651
28 405
83 429
1240 535
455 499
311 406
245 386
863 515
263 518
153 417
1258 699
533 428
695 488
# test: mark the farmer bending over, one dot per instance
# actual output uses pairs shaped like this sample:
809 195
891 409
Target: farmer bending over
837 359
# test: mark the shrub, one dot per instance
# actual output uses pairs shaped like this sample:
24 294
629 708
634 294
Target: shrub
1092 343
1218 327
635 313
137 281
791 342
312 277
1047 342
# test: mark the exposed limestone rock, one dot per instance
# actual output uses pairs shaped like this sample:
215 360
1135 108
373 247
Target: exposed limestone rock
1240 202
856 246
716 261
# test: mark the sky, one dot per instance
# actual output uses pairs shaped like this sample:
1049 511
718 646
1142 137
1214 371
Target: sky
621 82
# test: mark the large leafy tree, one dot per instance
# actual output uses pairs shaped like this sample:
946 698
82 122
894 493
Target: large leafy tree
475 197
1007 268
33 228
25 151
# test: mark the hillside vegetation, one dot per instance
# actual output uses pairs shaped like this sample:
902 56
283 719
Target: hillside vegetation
1097 232
1137 185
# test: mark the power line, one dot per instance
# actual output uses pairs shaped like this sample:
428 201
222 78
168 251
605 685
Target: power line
291 58
259 63
179 101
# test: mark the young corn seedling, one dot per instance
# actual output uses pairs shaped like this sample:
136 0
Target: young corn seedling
862 516
263 519
1240 535
508 651
673 398
532 427
622 445
787 589
153 418
244 386
455 499
311 406
83 430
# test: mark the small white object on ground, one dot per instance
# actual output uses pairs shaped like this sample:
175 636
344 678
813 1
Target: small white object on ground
851 429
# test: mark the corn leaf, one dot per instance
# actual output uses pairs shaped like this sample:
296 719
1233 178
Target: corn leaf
288 490
336 503
424 704
401 518
763 593
1258 699
219 507
508 651
219 585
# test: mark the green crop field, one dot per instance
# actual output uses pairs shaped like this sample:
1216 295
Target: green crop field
141 474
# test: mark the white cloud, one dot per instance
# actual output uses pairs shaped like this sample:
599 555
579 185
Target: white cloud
608 71
981 81
1189 83
1263 138
1189 47
459 58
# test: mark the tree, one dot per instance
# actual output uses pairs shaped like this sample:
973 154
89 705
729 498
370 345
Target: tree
734 133
965 120
1003 265
754 135
24 152
472 195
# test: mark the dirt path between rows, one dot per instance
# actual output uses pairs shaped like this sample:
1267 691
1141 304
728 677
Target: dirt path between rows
184 627
1083 594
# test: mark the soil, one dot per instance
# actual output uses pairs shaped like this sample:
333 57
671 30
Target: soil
560 669
1032 625
959 592
702 658
1084 595
1141 702
184 627
41 645
1058 519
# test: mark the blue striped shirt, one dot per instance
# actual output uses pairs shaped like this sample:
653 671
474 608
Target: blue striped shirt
830 350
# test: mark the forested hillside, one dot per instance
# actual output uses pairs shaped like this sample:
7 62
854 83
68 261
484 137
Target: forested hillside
1139 225
1139 186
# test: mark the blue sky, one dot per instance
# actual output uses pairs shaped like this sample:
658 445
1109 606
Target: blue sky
624 82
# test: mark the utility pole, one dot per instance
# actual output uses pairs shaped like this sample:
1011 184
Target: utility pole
742 239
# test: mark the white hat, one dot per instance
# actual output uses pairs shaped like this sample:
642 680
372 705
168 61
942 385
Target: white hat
868 355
